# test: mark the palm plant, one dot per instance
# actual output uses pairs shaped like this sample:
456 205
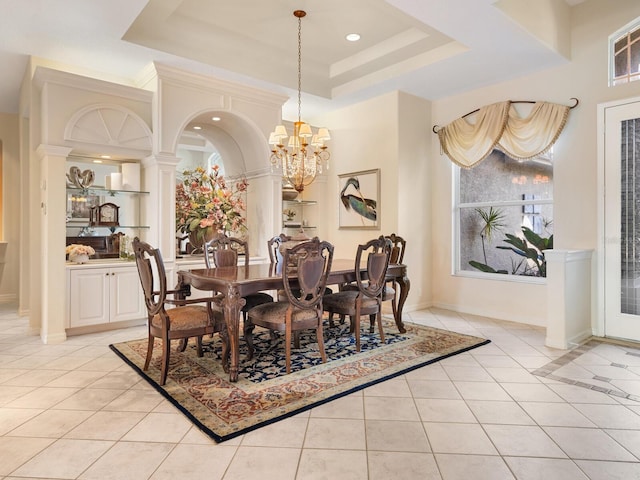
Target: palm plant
531 247
493 222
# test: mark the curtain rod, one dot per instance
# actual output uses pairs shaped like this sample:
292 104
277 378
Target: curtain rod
510 101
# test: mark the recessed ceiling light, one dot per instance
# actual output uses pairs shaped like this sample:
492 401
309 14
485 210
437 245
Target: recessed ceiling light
197 127
105 156
215 119
353 37
97 161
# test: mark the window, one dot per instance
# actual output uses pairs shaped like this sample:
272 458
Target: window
504 207
624 54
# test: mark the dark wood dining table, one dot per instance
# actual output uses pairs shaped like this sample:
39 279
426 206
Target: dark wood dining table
237 282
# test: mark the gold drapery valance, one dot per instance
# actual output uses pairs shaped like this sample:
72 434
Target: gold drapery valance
499 126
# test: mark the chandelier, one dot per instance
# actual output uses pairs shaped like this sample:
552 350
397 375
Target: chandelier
303 155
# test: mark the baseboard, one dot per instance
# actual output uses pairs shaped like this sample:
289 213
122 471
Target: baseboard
8 298
105 327
498 315
53 339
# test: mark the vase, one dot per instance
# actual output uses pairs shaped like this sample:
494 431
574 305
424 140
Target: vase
79 258
200 236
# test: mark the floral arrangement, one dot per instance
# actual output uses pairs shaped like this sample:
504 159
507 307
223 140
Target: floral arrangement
204 201
289 213
76 249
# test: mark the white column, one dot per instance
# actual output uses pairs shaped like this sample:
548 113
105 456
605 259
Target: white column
568 297
158 177
48 244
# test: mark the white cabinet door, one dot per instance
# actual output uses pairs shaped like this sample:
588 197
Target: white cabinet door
127 299
89 297
102 295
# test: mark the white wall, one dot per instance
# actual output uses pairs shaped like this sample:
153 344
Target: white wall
575 192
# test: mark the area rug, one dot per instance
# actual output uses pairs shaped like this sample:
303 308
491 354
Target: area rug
264 393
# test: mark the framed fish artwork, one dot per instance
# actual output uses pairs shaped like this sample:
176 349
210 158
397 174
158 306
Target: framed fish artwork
359 202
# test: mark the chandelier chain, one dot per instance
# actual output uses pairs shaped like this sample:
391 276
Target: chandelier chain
299 67
303 156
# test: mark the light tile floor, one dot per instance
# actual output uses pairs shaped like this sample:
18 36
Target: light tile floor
76 411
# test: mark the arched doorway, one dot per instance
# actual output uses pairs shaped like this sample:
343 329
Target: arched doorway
239 149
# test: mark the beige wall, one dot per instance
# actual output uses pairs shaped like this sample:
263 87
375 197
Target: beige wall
575 156
390 133
10 198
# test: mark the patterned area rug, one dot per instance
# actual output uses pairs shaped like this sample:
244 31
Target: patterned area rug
264 393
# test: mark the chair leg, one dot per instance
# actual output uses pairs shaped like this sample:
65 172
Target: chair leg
355 322
199 345
248 337
182 345
166 352
287 341
320 338
372 322
380 326
331 324
149 352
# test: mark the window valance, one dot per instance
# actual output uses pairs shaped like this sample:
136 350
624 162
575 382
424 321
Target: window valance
499 126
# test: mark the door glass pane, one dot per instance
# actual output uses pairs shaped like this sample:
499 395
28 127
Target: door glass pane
630 219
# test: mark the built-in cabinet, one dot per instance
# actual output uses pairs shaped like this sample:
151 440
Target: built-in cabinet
302 215
85 218
104 294
107 289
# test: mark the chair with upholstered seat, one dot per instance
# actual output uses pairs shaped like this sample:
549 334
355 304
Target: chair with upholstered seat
274 244
223 251
303 308
275 255
367 298
182 321
398 245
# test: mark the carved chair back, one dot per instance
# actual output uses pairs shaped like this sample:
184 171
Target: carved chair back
274 244
223 251
313 263
378 252
398 245
151 268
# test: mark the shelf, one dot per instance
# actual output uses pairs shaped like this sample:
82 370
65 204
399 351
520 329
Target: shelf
101 191
299 202
83 225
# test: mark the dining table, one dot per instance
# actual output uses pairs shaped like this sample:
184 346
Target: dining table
238 281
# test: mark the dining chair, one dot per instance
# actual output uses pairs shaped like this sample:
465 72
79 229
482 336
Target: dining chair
223 251
303 308
275 256
398 245
367 298
183 321
274 244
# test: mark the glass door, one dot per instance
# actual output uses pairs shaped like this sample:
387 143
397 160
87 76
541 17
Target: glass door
622 221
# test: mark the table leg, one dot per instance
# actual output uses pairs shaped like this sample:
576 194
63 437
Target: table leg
405 285
183 290
232 305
